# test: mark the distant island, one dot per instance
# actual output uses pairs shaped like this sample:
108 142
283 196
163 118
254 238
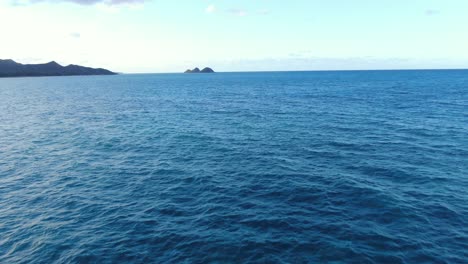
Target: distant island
10 68
196 70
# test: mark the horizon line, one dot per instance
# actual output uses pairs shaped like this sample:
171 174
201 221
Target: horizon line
344 70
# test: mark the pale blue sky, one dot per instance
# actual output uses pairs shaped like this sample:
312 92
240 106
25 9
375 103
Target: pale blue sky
243 35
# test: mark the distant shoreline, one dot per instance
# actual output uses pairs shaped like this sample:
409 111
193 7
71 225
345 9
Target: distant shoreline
226 72
10 68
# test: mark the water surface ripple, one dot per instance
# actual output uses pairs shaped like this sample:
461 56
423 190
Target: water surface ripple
304 167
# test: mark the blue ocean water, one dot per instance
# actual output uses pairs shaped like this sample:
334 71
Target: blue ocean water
291 167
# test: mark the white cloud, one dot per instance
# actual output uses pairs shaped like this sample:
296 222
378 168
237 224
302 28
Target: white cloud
210 9
238 12
75 35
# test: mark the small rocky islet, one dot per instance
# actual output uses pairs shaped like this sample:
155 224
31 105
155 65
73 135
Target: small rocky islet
197 70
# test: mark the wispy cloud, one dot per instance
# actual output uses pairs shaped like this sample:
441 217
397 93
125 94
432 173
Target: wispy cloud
82 2
264 12
240 12
432 12
210 9
243 12
237 12
295 63
75 35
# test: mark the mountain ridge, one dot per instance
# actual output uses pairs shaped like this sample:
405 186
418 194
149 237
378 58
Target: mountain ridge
10 68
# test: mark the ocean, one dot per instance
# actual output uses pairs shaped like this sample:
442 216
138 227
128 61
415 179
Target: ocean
273 167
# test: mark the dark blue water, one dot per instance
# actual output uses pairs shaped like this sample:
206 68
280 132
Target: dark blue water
364 167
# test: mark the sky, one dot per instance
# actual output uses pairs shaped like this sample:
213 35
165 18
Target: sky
145 36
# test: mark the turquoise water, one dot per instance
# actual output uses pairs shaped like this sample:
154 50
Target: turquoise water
298 167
